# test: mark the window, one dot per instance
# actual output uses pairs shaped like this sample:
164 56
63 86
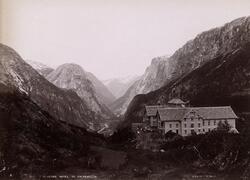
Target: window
203 123
185 125
192 118
185 131
208 130
203 130
208 123
177 125
170 125
192 125
199 124
199 130
162 124
185 119
177 132
214 122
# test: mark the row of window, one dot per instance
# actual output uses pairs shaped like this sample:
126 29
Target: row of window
192 119
176 125
191 125
199 119
199 131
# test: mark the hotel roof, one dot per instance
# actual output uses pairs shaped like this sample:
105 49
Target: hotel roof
178 113
207 113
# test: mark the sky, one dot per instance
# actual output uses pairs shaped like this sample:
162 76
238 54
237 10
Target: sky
110 38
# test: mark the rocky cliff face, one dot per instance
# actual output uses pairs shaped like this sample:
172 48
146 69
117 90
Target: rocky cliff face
119 86
192 55
153 78
62 104
72 76
102 92
224 80
42 69
104 95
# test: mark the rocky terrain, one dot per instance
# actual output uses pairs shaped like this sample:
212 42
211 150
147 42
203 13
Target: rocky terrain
43 128
43 69
195 53
62 104
102 92
32 141
118 86
222 81
151 80
73 77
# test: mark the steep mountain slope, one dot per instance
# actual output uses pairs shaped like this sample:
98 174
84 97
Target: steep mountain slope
119 107
105 96
34 142
119 86
224 80
102 92
43 69
72 76
151 80
62 104
195 53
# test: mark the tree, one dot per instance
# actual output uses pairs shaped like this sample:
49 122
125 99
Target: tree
223 126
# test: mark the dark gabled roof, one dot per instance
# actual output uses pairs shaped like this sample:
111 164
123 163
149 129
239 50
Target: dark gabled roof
168 114
152 110
220 112
172 114
176 101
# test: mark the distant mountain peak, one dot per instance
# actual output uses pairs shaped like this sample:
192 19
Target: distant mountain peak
37 65
41 68
72 76
118 86
61 104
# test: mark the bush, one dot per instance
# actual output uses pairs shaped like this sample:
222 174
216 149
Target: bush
122 136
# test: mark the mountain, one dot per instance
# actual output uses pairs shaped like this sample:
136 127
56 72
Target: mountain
118 86
212 69
72 76
102 92
192 55
43 69
32 140
153 78
224 80
64 105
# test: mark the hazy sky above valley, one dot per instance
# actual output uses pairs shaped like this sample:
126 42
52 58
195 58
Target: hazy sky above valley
110 38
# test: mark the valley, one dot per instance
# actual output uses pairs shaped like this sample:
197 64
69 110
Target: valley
66 122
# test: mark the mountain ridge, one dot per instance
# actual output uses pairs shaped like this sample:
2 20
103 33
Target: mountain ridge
119 86
205 86
72 76
63 104
192 55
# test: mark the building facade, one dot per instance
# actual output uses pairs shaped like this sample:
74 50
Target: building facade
187 120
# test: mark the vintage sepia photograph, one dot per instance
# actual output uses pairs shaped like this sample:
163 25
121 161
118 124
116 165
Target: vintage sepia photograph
124 89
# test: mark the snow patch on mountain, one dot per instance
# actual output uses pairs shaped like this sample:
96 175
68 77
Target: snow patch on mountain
37 65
